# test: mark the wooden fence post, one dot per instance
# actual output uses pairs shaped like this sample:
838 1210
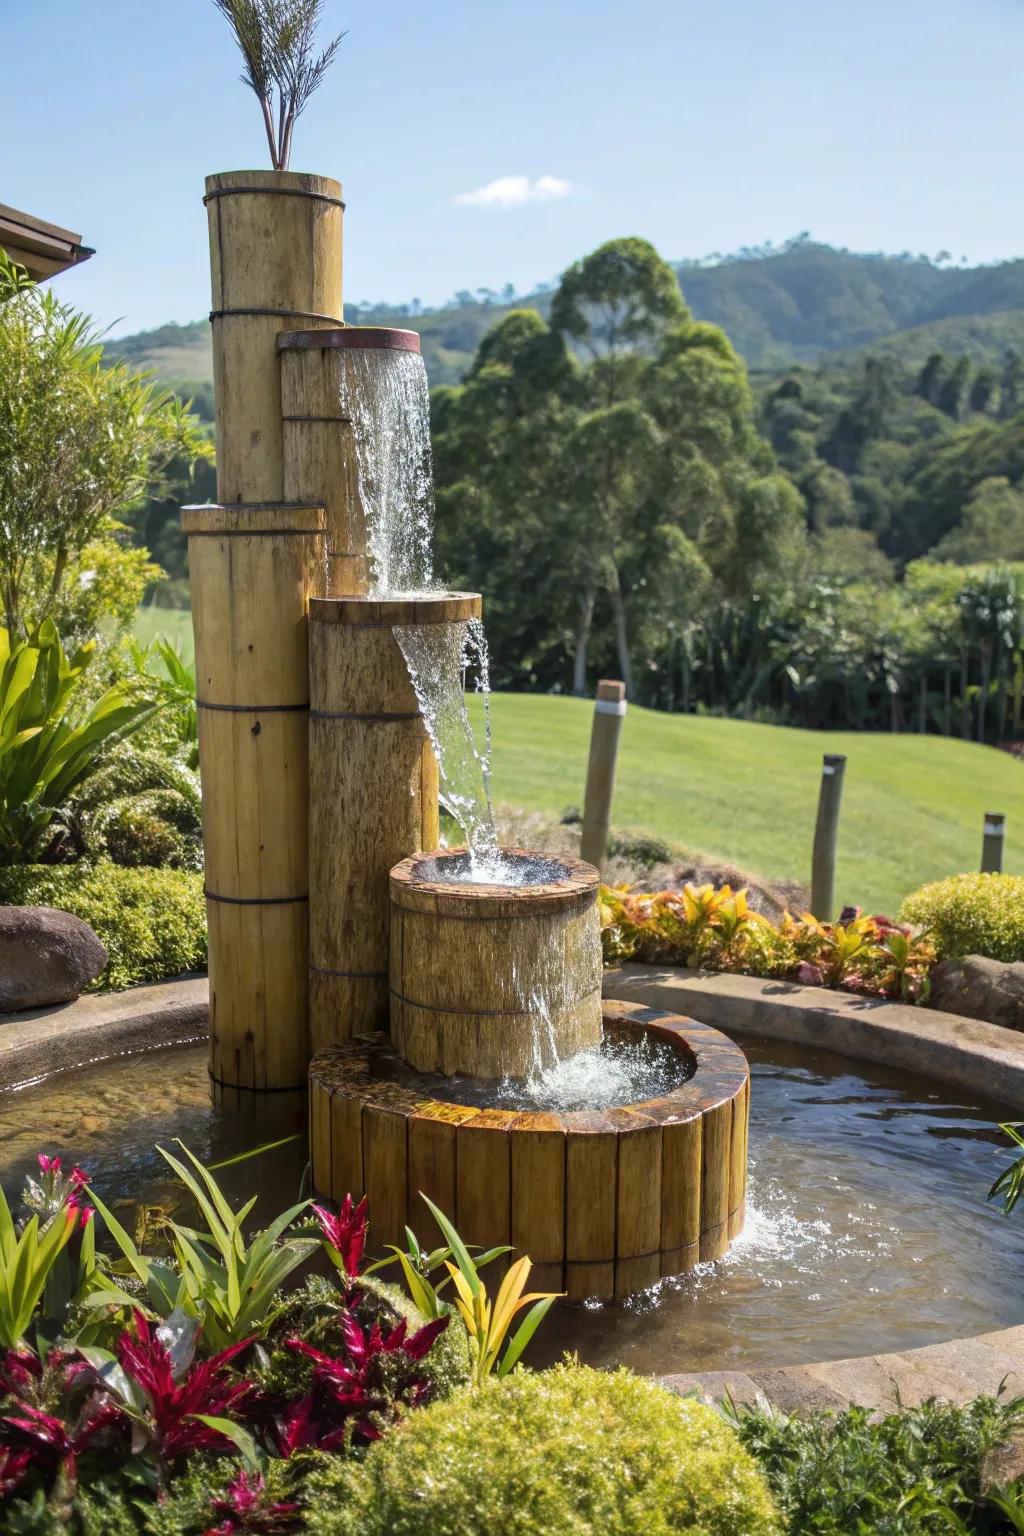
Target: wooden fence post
992 843
826 835
609 712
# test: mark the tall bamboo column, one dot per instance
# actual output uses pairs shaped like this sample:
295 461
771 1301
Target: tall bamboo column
255 560
253 571
319 443
373 785
275 263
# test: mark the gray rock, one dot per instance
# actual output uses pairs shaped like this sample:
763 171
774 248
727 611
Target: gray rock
1003 1466
979 988
46 957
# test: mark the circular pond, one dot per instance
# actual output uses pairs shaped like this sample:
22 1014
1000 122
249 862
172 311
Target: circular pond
867 1226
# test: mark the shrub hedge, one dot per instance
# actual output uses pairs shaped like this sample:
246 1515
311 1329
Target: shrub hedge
152 921
917 1472
565 1452
971 915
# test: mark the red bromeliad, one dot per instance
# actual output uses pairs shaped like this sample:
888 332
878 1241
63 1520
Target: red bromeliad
52 1445
345 1234
13 1467
172 1406
245 1507
347 1393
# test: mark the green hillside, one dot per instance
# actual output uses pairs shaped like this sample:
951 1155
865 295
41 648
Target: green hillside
800 301
747 793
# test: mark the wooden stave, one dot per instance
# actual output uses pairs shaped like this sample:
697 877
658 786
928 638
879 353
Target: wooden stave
590 1181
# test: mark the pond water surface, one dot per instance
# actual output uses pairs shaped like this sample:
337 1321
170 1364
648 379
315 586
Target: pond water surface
868 1228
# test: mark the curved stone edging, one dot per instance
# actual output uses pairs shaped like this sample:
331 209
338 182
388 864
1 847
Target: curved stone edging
100 1025
964 1052
985 1058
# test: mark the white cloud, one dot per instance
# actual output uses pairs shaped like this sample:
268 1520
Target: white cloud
513 191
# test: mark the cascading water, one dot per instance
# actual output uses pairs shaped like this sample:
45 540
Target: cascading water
439 657
388 403
385 396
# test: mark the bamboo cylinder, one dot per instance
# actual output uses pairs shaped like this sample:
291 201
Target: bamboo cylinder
275 262
253 571
373 797
493 980
319 445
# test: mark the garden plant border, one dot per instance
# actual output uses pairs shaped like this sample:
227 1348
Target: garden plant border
966 1053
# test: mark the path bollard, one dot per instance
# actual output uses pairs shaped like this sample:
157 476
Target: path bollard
826 836
992 843
609 712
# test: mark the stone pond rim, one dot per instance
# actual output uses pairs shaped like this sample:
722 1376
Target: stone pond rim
985 1058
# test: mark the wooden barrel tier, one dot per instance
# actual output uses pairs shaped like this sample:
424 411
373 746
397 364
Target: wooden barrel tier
373 796
253 572
605 1202
493 980
318 439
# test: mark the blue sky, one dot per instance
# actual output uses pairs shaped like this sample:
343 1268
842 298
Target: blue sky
703 125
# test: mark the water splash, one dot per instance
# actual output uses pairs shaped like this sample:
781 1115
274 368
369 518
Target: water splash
439 657
385 396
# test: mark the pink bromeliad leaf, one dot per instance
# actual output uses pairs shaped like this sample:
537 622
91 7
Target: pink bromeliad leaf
246 1508
345 1234
172 1406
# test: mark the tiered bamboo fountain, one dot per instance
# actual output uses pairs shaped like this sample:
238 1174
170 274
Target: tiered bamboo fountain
435 999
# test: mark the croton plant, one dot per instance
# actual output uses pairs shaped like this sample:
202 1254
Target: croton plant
718 930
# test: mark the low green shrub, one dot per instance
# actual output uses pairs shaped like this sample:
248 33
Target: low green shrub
152 921
640 848
142 808
565 1452
912 1473
971 915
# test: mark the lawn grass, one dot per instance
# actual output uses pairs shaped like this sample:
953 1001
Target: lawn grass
174 624
912 807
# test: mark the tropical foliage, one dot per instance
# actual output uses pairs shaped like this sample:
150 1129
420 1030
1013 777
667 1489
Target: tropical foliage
81 440
717 930
52 740
120 1361
276 41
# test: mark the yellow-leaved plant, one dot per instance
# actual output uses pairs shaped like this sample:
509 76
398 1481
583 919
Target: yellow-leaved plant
488 1322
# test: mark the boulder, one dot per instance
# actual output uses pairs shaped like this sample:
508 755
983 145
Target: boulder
979 988
46 957
1003 1466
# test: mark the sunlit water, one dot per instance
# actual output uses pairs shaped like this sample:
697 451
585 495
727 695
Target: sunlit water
869 1230
441 658
384 393
619 1071
501 868
386 397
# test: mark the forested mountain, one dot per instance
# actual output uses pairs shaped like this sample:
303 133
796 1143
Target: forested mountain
796 302
834 539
